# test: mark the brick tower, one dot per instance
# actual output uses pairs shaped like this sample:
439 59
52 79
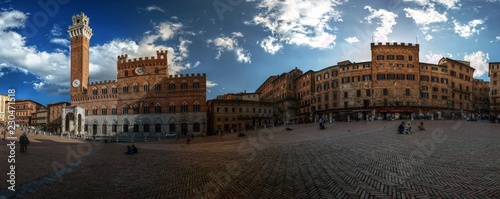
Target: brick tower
80 34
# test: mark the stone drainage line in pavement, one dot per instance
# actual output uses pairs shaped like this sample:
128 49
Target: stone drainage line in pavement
38 184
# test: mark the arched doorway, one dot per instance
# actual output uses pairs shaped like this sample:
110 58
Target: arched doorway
171 128
94 129
104 129
184 129
125 128
69 122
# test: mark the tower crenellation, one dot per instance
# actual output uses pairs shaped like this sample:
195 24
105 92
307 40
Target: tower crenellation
124 62
80 26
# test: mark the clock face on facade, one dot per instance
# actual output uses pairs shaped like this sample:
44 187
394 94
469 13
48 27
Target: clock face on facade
140 70
76 83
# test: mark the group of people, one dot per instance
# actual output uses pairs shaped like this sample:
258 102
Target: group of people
131 149
406 128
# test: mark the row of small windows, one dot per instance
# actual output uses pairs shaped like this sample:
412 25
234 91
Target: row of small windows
254 110
146 87
460 75
146 109
385 92
434 68
135 128
392 57
398 65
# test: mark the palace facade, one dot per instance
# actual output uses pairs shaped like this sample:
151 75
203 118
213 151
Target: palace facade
144 99
4 110
481 91
393 84
236 112
494 74
25 112
54 116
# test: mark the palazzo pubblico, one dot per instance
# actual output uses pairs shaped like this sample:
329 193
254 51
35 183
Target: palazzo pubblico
143 99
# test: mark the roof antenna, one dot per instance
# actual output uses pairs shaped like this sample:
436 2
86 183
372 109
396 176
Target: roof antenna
417 39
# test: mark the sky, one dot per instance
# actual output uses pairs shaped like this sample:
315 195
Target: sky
237 43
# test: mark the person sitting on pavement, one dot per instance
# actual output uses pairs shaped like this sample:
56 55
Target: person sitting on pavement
421 126
134 149
129 150
408 127
401 128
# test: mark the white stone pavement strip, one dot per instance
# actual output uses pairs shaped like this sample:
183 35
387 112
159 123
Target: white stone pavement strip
35 185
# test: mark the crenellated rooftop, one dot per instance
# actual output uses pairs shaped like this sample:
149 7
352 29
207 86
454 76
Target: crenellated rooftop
393 44
187 75
160 55
102 82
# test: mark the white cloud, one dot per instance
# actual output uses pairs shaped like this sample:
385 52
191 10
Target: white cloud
211 84
428 37
60 41
223 44
153 8
420 2
271 45
450 4
479 61
351 40
12 19
497 38
387 22
466 30
296 22
16 55
425 17
433 58
166 30
2 74
56 31
52 68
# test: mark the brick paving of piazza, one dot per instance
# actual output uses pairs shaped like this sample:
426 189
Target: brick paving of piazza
347 160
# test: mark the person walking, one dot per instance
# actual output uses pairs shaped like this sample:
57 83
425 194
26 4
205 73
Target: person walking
24 141
320 123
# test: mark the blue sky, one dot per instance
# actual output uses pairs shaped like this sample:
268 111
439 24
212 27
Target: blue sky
237 43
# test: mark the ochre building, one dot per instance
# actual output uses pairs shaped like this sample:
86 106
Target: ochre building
40 119
25 112
54 116
481 91
494 74
394 84
232 113
143 100
4 110
281 91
